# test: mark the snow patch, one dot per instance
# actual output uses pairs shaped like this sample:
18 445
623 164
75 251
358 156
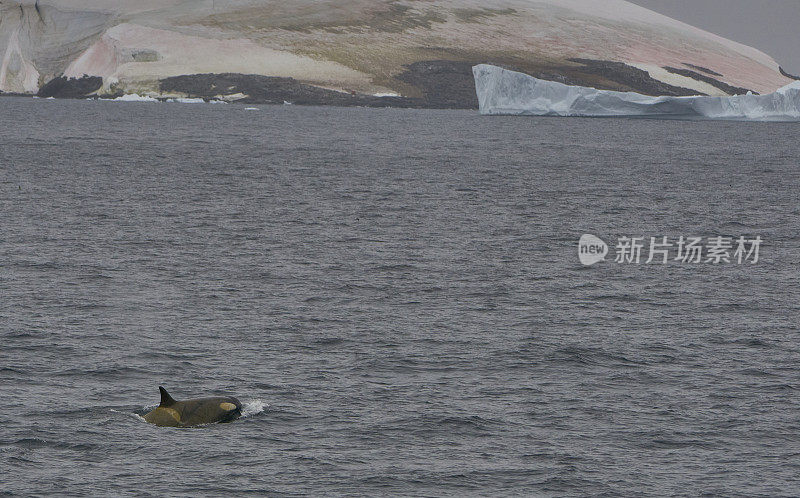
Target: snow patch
664 76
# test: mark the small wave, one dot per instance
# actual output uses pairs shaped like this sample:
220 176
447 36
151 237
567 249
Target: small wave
33 443
677 444
318 299
473 421
104 372
778 387
397 267
592 356
253 407
328 341
757 372
432 424
130 414
753 342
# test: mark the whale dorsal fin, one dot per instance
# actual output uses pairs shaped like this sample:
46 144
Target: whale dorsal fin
166 399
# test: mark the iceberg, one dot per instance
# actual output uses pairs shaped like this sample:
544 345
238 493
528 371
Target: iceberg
504 92
133 97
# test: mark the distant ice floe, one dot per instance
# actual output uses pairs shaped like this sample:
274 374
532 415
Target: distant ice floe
504 92
187 101
132 97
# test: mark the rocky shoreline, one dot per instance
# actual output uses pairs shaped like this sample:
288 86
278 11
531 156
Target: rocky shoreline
442 84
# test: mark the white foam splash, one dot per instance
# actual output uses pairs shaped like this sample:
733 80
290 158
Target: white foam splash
253 407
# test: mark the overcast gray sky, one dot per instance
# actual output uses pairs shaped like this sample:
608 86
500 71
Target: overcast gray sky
772 26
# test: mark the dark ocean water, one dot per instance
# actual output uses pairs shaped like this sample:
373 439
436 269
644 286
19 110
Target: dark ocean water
396 297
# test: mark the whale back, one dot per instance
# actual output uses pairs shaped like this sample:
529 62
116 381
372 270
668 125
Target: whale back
191 412
208 410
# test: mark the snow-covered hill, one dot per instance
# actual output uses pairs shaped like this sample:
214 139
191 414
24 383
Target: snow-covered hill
355 49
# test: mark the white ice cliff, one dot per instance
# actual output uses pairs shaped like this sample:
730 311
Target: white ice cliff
504 92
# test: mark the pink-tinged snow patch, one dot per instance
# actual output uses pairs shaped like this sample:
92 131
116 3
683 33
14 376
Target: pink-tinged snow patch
101 59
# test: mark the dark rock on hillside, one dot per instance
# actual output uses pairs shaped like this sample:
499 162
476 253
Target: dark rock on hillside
788 75
72 88
444 84
702 69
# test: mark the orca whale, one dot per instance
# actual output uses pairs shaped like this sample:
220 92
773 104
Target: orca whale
191 412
